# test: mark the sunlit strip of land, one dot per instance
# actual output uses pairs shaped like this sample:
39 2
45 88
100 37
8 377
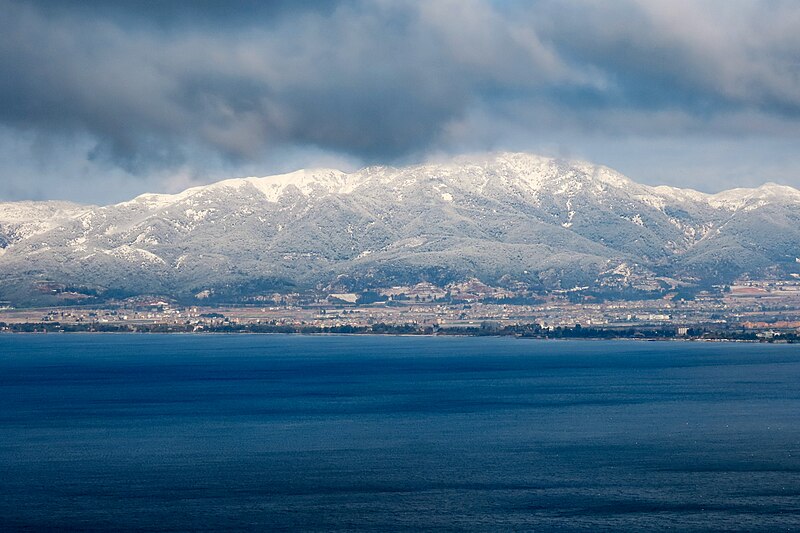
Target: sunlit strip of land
748 311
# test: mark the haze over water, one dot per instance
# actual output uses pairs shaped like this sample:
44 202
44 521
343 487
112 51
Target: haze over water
205 432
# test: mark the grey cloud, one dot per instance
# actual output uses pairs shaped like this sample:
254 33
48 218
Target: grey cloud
715 55
377 80
159 89
177 14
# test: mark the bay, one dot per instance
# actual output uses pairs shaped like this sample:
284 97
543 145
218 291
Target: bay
340 433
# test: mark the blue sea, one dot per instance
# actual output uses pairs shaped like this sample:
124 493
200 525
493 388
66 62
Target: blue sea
370 433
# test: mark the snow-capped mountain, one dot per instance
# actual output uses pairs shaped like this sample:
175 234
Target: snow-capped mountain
507 219
20 220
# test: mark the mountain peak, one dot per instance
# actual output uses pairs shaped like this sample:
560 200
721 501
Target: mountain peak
306 180
504 218
478 173
767 193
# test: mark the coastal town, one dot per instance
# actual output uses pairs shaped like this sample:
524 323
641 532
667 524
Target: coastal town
748 310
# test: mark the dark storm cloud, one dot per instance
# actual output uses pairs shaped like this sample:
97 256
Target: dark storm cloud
377 80
152 85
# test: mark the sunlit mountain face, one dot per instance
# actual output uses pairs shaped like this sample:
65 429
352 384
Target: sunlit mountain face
509 219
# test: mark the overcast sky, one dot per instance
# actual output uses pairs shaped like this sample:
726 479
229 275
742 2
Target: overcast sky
101 101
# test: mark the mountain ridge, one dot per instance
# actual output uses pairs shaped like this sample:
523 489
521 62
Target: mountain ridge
510 219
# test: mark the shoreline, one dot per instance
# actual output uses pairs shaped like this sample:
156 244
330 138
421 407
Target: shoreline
411 335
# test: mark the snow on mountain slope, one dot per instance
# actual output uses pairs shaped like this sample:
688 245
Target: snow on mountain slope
23 220
769 193
504 218
272 187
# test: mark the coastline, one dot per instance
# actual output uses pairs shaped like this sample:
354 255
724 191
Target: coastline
708 337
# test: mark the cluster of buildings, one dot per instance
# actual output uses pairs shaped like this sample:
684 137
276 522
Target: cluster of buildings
763 306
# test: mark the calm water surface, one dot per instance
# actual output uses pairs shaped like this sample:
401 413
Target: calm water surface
203 432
